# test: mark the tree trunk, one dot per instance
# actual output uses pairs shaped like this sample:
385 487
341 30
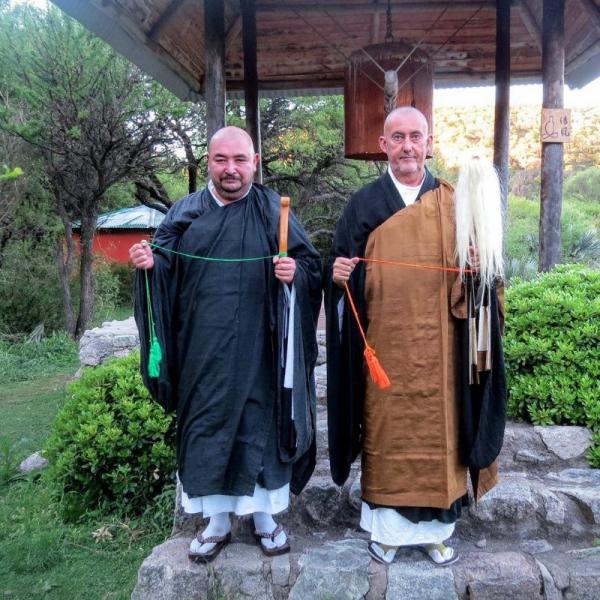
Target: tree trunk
64 253
86 274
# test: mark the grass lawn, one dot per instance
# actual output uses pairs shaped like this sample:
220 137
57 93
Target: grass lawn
41 556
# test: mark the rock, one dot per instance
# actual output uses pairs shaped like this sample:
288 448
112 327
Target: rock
165 575
482 543
578 477
337 570
320 502
527 457
500 576
240 573
322 439
280 570
419 581
539 450
565 441
551 592
114 338
522 448
33 463
322 356
588 501
584 582
377 581
510 507
355 494
535 546
554 509
321 383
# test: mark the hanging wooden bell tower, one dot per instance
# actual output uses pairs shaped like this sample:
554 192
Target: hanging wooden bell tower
369 84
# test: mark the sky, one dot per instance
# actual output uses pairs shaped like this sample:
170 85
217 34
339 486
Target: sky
485 95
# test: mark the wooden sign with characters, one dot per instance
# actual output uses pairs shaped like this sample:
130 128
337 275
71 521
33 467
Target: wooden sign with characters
556 125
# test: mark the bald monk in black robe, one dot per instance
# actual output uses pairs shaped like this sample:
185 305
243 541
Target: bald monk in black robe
239 347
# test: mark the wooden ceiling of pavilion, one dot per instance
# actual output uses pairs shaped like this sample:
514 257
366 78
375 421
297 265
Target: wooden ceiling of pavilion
303 44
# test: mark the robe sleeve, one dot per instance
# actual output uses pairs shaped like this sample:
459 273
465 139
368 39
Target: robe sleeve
345 379
161 291
482 406
307 284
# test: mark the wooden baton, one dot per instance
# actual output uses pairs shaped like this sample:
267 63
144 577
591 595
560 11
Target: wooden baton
284 215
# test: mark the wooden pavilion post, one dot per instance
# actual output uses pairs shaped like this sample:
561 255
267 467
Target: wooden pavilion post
214 60
248 9
553 76
502 107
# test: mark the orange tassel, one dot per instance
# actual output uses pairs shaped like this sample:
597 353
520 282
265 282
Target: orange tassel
378 375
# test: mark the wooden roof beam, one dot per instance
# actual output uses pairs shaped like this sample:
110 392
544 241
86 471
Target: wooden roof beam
588 53
593 12
345 8
530 23
164 19
233 33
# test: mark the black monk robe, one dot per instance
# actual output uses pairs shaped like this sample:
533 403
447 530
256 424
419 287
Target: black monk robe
221 329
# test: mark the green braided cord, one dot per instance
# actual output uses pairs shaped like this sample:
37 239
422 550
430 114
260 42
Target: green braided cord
211 259
155 354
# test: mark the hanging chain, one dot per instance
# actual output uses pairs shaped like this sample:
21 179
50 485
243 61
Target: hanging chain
389 37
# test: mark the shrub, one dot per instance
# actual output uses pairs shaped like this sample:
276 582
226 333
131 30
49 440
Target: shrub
124 275
111 446
584 185
552 352
579 239
30 291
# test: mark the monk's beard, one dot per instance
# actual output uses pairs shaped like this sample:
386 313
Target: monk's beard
479 222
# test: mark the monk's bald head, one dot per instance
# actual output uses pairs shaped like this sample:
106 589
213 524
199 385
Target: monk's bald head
231 163
407 142
235 135
402 113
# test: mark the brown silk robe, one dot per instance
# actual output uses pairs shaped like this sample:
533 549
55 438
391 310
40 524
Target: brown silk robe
410 445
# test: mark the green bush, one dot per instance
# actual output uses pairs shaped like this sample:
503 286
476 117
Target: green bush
579 239
124 274
30 291
111 446
552 349
584 185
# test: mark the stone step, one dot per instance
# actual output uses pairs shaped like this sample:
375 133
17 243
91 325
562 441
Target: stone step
330 567
560 506
546 489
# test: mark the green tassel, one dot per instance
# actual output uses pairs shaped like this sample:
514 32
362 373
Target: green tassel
154 358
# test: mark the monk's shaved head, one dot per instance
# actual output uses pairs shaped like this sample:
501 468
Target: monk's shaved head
405 111
407 142
232 163
234 134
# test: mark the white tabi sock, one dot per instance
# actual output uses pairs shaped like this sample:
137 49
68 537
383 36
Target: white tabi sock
264 523
218 525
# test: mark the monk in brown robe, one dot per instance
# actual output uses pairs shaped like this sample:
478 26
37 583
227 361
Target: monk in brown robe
419 436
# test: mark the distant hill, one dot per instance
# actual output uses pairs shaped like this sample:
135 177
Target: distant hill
459 129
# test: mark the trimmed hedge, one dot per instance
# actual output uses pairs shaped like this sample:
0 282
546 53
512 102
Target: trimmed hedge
112 447
552 349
